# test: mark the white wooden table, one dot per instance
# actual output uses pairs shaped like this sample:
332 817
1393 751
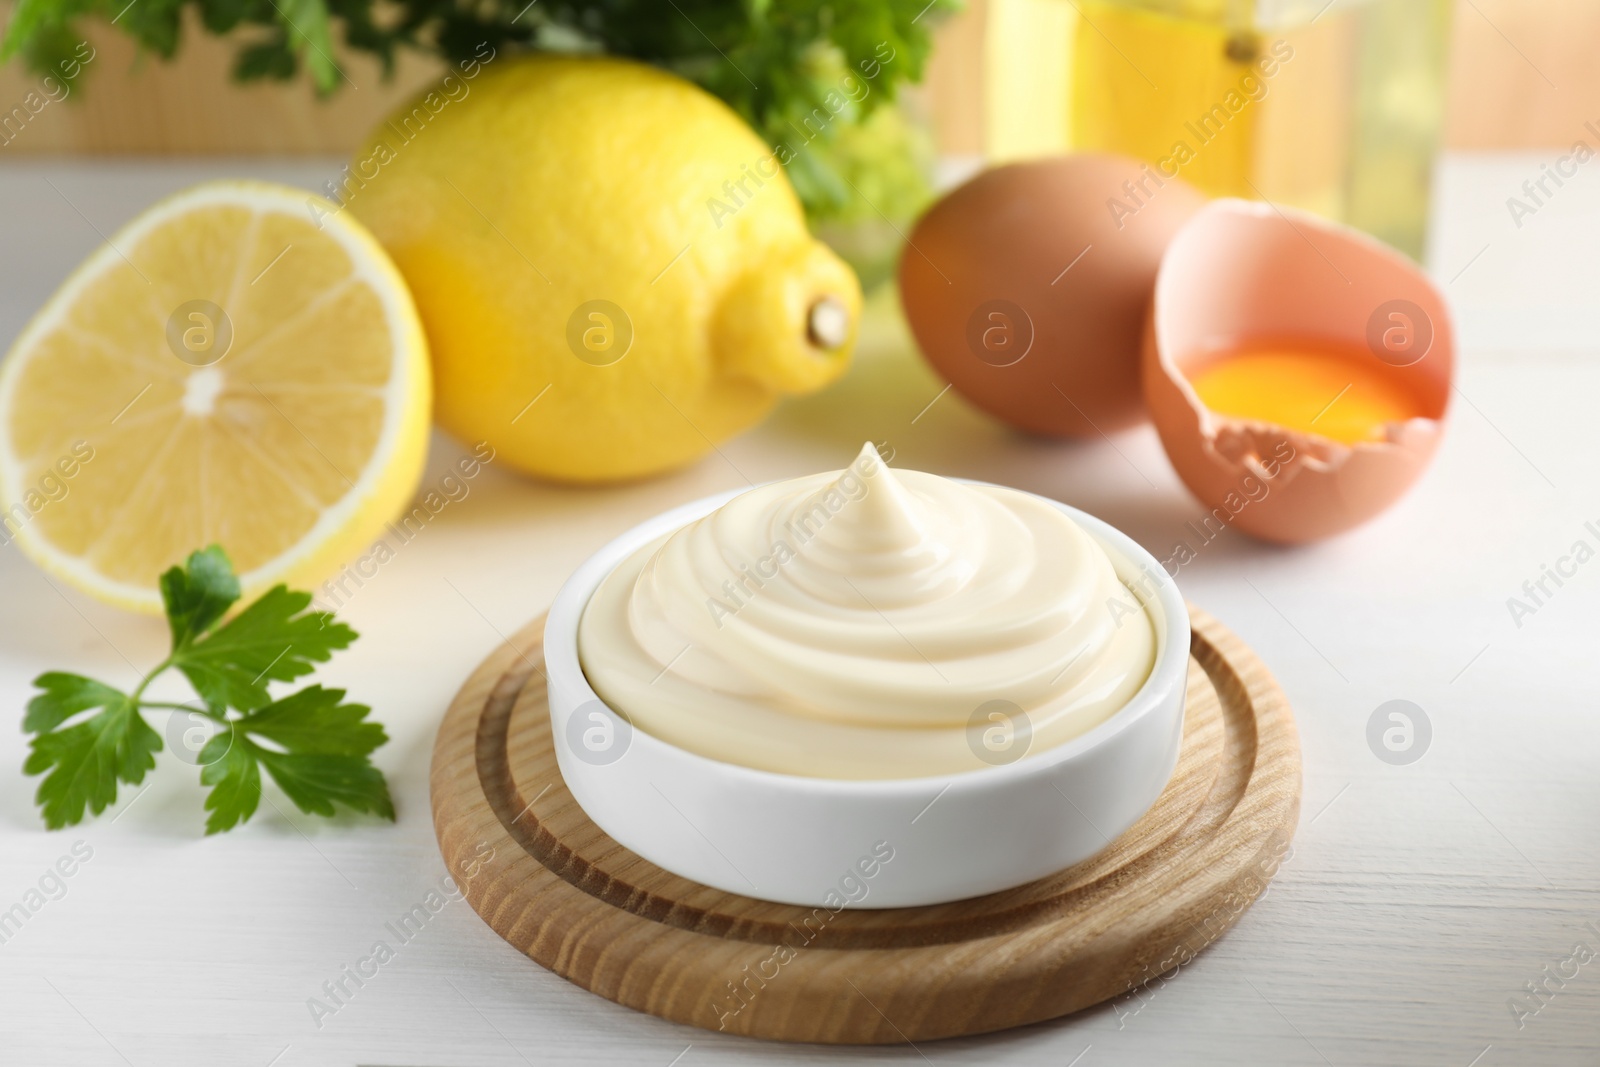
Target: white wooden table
1418 900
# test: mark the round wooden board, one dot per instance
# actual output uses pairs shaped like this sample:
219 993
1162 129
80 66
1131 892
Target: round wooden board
555 886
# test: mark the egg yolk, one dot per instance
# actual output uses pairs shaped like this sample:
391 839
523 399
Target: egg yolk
1333 394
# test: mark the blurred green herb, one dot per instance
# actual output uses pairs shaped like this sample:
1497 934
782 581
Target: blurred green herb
799 71
311 743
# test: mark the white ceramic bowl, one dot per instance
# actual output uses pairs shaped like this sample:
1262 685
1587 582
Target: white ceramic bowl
822 842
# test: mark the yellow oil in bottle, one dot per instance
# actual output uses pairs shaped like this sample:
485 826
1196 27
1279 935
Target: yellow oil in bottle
1332 107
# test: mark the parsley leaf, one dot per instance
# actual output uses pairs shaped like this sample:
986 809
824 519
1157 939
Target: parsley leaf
315 746
231 771
315 721
313 782
197 594
273 640
319 756
62 697
311 39
85 761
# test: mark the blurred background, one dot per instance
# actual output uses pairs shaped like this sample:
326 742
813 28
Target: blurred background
1350 127
1519 76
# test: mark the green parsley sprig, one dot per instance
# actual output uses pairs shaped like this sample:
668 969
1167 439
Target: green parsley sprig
311 743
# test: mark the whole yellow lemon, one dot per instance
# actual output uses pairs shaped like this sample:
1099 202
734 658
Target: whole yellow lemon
613 270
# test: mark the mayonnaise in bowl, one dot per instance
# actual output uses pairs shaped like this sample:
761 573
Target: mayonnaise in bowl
867 624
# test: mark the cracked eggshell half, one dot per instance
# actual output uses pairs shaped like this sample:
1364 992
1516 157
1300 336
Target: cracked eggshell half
1241 271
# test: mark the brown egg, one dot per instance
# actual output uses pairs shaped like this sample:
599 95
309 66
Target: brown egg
1027 287
1243 276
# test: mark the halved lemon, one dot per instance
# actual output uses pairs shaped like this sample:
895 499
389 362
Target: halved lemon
240 365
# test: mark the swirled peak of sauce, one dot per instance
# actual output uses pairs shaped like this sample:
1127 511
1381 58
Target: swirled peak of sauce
868 623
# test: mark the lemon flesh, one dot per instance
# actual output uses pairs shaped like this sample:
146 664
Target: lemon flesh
240 365
613 270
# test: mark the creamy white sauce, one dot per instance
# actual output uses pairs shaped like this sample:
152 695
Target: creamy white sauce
853 624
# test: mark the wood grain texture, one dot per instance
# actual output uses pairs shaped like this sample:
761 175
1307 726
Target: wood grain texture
556 887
